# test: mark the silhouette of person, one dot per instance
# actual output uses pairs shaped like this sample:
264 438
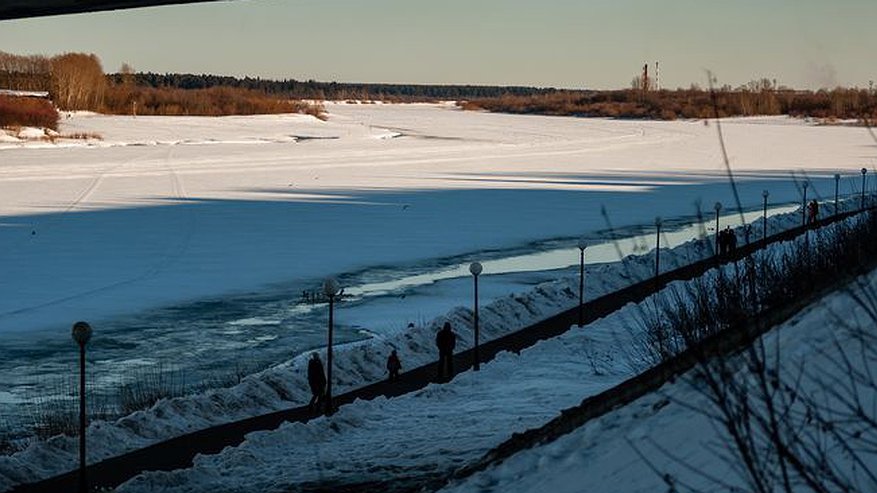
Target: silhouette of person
812 211
730 240
446 341
722 240
317 381
393 366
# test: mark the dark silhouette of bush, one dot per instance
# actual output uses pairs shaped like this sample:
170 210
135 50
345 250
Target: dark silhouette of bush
752 100
215 101
27 112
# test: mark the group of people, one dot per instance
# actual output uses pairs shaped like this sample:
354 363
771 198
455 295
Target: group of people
445 341
727 241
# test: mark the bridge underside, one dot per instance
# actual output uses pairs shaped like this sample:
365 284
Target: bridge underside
18 9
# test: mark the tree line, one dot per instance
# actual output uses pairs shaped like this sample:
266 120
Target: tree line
337 91
754 99
76 81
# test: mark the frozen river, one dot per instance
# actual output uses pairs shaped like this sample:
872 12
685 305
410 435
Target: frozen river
187 242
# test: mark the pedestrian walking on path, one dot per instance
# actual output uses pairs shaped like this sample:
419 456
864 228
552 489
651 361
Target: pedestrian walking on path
812 211
394 366
446 341
317 382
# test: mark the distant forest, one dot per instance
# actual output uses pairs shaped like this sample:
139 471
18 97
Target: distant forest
338 91
757 98
77 81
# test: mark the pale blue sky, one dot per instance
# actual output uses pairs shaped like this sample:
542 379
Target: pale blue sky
562 43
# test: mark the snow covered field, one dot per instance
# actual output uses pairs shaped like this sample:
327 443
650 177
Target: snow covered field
166 209
183 238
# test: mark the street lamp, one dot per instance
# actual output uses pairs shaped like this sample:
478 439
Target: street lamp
475 269
582 245
718 208
764 195
330 289
81 334
657 247
836 191
864 172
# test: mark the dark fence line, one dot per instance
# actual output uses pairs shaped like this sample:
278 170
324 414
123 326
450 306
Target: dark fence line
180 451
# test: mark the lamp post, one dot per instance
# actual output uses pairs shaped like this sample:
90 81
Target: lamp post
582 245
330 289
804 204
864 172
718 208
475 269
836 192
657 247
764 195
81 334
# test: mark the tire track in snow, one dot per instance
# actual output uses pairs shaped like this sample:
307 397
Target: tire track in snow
179 192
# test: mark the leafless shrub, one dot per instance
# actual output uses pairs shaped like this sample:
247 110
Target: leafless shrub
150 385
789 426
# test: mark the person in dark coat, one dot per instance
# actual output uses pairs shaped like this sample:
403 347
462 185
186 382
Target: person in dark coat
446 341
731 239
812 211
393 366
317 381
722 241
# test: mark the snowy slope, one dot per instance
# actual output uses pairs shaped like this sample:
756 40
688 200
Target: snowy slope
631 449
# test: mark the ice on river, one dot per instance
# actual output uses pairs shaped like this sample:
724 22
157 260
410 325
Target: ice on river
183 238
167 209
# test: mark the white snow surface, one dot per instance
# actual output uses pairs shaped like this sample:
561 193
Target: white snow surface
169 209
674 438
165 209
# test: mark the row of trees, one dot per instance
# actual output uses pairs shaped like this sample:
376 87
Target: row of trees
839 103
314 90
24 73
76 81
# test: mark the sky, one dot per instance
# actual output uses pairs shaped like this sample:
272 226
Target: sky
548 43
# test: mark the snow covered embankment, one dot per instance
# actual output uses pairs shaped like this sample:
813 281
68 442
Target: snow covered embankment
406 441
284 386
667 437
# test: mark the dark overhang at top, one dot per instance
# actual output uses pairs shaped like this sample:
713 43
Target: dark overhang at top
19 9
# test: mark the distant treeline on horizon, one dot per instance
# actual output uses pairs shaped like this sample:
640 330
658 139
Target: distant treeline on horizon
76 81
316 90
